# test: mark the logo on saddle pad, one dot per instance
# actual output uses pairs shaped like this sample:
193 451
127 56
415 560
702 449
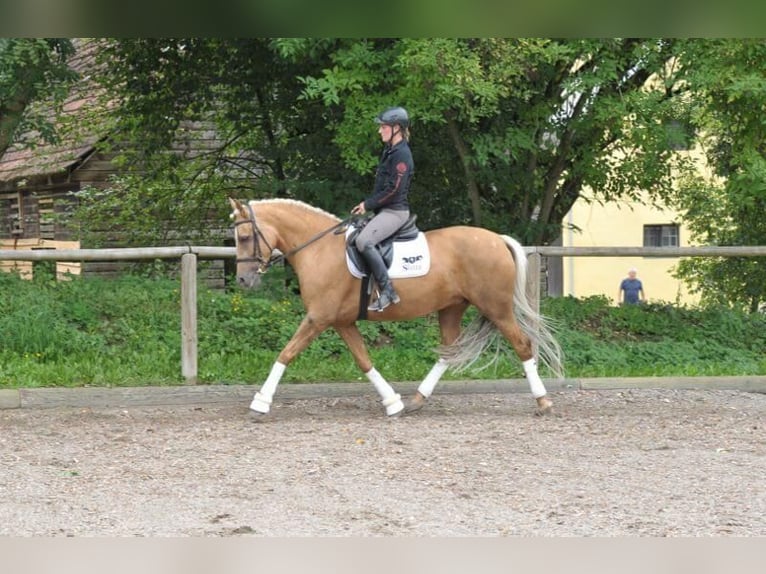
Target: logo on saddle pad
410 258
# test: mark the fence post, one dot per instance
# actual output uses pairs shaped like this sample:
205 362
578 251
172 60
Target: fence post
189 317
534 264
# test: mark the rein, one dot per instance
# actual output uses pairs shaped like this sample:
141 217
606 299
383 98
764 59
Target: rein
264 264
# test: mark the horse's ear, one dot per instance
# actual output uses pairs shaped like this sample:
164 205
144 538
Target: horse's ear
237 206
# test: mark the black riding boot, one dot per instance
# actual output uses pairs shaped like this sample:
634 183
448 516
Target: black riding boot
377 266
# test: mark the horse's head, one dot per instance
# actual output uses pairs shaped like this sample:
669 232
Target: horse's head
253 248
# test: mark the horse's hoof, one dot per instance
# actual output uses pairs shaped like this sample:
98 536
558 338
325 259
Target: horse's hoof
394 405
257 417
414 404
544 407
395 410
260 404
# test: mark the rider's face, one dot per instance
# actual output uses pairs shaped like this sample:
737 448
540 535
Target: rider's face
385 132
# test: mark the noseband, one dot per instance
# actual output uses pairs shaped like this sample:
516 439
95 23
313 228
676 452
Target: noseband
257 257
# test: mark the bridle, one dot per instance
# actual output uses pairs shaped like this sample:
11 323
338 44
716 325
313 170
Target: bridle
257 256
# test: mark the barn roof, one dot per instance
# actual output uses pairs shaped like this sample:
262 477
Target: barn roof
78 139
46 159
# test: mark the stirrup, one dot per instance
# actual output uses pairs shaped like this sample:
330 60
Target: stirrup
384 300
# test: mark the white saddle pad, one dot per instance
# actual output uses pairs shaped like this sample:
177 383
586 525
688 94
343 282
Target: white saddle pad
410 259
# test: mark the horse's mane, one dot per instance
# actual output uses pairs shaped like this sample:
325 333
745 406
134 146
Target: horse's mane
296 203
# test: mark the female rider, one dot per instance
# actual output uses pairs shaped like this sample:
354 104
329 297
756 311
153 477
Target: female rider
388 199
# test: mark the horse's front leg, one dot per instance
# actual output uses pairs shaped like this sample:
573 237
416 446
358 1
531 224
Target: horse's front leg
353 338
307 331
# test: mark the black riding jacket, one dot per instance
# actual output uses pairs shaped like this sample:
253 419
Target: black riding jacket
392 179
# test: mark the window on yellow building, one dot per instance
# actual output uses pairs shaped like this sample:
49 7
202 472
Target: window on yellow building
661 235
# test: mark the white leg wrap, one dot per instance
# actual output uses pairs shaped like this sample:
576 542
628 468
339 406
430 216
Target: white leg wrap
391 400
432 378
262 399
535 382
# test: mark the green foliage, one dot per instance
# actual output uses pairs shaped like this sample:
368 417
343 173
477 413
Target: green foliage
31 70
258 138
728 77
135 211
504 129
88 332
506 132
127 332
657 339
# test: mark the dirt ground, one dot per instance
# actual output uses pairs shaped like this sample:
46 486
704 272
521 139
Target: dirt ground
609 463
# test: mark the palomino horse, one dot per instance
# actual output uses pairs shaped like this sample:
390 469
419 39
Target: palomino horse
469 266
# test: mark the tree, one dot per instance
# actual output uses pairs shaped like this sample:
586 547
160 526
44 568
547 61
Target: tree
243 99
507 132
31 69
727 207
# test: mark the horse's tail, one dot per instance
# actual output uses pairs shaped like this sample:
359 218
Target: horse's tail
537 327
481 332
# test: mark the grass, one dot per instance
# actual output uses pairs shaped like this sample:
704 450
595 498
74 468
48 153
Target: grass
126 332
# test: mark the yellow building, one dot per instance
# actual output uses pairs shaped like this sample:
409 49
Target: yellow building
627 223
623 224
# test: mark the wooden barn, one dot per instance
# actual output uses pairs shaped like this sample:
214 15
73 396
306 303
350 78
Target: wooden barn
38 184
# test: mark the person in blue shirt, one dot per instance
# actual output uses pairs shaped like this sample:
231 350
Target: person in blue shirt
388 199
631 290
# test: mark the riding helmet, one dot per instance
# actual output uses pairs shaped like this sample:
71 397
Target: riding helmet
394 116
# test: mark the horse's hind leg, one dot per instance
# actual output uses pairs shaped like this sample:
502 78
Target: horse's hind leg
449 325
523 347
353 338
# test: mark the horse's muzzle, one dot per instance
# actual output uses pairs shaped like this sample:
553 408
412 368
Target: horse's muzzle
249 280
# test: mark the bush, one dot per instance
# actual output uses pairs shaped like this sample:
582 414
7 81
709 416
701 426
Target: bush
127 332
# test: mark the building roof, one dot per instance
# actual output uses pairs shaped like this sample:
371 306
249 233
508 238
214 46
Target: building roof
23 161
84 123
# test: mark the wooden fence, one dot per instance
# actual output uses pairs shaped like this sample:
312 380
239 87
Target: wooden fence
190 254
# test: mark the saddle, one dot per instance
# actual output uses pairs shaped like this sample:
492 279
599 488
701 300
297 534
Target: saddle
407 232
405 254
